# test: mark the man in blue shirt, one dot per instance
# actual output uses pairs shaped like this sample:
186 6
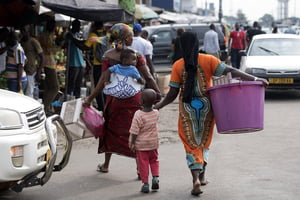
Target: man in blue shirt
211 42
75 62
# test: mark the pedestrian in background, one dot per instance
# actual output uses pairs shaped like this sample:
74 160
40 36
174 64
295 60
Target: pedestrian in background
15 61
51 81
145 34
275 29
4 32
236 43
252 31
75 62
97 31
95 40
211 42
190 78
141 45
35 60
143 140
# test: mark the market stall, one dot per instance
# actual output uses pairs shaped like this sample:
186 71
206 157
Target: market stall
89 10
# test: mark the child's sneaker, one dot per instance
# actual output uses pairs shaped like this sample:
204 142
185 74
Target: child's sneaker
145 188
155 183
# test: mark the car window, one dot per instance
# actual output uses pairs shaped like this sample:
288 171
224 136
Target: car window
275 46
164 36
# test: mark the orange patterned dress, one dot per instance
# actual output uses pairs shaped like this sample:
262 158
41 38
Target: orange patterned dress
196 119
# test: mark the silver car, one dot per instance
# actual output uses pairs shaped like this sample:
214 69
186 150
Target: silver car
274 57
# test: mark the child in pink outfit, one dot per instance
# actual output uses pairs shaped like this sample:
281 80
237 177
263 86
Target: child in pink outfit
144 140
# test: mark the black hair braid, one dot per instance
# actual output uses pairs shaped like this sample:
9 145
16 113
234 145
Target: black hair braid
189 45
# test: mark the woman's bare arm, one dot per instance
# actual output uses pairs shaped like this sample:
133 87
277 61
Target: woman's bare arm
148 78
99 87
244 76
170 97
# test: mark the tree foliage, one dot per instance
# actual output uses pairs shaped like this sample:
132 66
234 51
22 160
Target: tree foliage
266 20
241 17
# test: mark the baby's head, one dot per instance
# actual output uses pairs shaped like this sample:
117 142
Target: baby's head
148 97
128 57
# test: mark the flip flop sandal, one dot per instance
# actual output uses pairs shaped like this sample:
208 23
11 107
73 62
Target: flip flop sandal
196 191
100 168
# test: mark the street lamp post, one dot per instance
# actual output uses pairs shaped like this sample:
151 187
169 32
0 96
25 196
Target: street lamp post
220 11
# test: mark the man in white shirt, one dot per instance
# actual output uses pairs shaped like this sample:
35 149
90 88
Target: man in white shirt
211 42
145 35
142 46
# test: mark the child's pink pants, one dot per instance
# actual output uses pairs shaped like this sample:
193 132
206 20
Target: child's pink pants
146 159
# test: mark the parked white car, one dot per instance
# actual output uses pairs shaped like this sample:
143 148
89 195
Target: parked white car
28 142
274 57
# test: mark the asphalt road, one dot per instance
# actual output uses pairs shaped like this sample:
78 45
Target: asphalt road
262 165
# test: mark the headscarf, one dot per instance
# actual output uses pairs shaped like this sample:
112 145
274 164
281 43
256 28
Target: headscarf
119 32
189 45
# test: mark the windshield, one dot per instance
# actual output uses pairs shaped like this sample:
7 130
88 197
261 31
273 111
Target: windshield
275 47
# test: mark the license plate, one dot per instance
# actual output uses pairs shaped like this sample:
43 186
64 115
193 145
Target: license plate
48 154
281 80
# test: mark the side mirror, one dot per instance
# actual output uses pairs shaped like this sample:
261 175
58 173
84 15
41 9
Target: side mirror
153 38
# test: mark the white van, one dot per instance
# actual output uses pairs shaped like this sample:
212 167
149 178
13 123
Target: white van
28 142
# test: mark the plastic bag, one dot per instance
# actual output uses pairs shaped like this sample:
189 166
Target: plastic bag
93 120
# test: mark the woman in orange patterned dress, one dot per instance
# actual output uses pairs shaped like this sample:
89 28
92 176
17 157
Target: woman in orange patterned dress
190 78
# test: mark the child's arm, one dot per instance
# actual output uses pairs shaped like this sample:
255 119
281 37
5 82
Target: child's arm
135 74
132 144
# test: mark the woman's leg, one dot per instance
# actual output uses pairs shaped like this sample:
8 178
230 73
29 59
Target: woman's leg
104 167
78 82
202 173
107 160
51 88
196 191
202 178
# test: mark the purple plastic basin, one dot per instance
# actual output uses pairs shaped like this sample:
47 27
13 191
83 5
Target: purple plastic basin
238 107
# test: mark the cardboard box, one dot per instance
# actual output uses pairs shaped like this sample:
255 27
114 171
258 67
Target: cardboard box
163 83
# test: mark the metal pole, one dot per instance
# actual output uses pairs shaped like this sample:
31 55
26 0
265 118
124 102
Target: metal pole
181 6
220 11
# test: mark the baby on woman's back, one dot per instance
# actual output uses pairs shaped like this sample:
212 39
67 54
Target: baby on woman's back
124 80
